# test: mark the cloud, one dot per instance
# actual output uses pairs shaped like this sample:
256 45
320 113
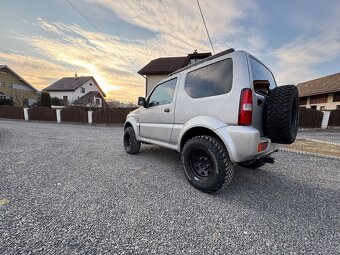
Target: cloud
296 61
179 24
114 61
36 71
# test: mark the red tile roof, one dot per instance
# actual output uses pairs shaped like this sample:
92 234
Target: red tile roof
323 85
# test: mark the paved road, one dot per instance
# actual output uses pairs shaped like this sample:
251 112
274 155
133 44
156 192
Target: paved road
73 190
324 135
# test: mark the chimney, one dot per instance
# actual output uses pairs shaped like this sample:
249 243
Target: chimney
75 75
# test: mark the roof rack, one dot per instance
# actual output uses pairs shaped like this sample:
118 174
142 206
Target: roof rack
204 60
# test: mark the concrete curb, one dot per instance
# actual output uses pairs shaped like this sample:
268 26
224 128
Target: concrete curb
321 141
309 153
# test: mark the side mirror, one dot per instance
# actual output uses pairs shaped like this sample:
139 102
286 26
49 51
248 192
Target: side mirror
262 86
141 101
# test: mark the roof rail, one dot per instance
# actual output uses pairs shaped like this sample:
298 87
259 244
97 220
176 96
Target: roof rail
204 60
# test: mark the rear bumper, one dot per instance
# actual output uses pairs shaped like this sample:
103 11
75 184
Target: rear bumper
242 143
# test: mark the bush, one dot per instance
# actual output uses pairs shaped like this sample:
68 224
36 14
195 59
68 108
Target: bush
45 99
55 101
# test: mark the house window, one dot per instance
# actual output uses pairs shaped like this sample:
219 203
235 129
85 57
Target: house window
2 84
65 98
90 84
97 101
302 100
10 85
322 108
319 99
25 102
3 72
336 97
82 90
313 107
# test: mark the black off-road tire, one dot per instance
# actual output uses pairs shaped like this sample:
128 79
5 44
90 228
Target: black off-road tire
254 165
131 145
282 114
211 152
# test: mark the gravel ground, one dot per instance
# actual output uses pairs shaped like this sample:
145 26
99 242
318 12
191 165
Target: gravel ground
329 135
71 189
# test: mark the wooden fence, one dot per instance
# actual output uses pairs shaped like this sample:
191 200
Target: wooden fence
310 118
111 115
334 118
74 114
11 112
42 113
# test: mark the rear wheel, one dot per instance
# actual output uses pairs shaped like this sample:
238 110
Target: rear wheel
131 145
206 163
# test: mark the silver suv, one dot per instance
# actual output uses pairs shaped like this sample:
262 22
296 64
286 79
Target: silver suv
223 110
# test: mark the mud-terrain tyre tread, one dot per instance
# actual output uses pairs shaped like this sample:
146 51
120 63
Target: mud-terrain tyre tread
282 114
225 168
135 145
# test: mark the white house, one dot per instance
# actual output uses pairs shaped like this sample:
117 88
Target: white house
82 91
320 94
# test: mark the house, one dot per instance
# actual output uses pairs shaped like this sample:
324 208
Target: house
159 68
81 91
320 94
4 97
14 87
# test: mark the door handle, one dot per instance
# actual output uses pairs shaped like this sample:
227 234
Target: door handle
167 110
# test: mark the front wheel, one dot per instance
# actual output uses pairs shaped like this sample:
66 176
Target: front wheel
206 163
131 145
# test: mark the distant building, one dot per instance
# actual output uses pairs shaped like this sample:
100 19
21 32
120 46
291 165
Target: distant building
321 94
82 91
13 86
158 68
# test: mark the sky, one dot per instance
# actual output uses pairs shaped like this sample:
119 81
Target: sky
45 40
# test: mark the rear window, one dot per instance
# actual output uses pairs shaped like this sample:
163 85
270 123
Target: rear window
260 72
212 80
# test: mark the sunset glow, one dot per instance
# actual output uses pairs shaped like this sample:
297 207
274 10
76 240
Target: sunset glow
50 40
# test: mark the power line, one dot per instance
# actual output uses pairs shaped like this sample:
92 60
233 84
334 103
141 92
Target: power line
205 25
96 27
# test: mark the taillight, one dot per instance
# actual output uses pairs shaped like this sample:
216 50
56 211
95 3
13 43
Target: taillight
246 108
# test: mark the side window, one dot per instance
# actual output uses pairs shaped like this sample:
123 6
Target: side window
212 80
260 72
163 93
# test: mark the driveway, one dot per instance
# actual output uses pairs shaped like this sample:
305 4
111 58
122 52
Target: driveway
71 189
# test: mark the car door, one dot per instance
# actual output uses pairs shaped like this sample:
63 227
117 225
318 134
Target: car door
157 118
